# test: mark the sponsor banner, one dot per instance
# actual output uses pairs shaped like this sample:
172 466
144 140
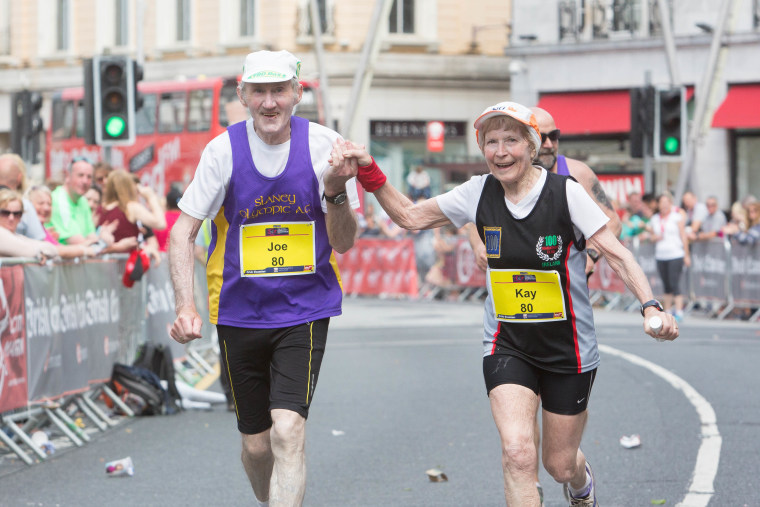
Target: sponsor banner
709 265
460 266
745 273
645 257
605 279
379 266
13 353
618 186
159 307
72 325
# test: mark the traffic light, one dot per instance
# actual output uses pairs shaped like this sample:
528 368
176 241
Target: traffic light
137 76
670 130
642 121
26 124
113 100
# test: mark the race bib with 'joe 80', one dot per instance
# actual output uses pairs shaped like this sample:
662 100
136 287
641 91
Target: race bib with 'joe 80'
277 249
526 296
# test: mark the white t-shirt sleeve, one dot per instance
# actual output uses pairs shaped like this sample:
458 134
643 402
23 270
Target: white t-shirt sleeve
585 214
204 196
321 141
460 204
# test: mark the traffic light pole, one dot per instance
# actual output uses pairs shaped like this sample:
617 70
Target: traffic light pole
702 115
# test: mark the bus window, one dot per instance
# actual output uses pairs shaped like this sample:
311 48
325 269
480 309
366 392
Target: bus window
145 118
63 118
199 110
172 110
231 110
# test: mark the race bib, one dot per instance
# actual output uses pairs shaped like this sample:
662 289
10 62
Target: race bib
526 296
277 249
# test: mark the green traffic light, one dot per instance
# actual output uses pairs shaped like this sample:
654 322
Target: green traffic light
671 145
115 126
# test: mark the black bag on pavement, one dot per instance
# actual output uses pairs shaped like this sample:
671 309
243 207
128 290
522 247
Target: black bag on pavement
132 381
159 360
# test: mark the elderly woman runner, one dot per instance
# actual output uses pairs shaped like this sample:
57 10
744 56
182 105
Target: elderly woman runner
538 334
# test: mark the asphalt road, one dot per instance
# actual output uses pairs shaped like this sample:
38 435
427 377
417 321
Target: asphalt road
401 391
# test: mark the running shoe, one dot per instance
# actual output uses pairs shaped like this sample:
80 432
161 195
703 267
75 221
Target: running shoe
587 501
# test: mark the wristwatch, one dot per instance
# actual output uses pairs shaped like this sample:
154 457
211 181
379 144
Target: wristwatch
651 302
336 199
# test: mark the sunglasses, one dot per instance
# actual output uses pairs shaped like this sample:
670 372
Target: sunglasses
553 135
5 213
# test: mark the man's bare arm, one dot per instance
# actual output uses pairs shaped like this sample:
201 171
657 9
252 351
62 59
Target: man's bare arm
590 182
187 326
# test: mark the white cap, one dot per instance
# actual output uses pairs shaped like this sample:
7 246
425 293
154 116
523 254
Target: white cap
270 67
516 111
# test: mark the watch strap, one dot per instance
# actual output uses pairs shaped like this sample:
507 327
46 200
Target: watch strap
651 302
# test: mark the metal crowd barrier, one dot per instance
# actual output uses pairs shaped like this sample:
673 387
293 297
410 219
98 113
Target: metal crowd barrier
64 325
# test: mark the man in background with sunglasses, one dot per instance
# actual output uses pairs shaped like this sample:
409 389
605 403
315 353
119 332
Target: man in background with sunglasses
549 159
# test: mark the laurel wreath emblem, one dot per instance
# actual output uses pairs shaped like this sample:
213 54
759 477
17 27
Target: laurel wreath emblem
542 255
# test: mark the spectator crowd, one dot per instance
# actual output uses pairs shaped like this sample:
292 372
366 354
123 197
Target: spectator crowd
95 210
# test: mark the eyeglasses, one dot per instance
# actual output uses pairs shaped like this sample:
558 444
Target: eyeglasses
79 158
5 213
553 135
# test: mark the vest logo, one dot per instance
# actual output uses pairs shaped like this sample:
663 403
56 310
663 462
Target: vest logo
492 242
549 248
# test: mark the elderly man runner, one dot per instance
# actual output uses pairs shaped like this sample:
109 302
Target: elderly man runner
278 211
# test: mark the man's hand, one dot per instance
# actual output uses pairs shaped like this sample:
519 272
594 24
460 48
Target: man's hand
341 169
187 326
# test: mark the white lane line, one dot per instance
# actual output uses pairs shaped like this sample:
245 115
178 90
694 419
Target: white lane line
701 488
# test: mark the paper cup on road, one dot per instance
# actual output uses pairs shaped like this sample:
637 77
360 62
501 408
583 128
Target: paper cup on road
436 475
120 467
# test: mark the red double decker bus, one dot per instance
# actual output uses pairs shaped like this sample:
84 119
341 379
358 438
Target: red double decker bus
177 120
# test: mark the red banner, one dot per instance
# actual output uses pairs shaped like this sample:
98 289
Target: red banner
435 136
13 375
379 266
618 186
461 269
605 279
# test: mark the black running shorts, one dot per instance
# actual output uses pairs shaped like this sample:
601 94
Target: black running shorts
561 393
271 368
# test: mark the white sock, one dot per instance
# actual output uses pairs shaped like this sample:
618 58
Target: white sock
580 493
260 503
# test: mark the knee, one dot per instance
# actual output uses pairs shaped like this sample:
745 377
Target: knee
288 433
519 454
561 470
256 447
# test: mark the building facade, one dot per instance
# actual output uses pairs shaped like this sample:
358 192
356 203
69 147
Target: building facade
580 58
439 60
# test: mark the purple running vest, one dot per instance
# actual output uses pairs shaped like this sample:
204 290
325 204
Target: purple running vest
292 196
562 168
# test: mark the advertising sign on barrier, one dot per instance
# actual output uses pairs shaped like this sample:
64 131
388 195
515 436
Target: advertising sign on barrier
13 353
379 266
709 265
745 274
72 326
159 307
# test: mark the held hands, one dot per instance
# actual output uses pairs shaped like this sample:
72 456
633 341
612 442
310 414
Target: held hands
187 326
367 172
342 168
668 329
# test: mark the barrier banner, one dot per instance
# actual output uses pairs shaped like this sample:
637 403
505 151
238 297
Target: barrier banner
13 353
159 308
745 273
72 326
461 267
645 257
605 279
379 266
709 265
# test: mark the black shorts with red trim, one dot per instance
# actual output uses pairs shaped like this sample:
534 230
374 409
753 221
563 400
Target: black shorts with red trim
561 393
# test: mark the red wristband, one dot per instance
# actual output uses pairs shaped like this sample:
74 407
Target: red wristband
371 177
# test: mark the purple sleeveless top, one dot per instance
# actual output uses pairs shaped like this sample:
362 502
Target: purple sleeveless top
292 196
562 168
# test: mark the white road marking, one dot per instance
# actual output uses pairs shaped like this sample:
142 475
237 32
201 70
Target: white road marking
701 488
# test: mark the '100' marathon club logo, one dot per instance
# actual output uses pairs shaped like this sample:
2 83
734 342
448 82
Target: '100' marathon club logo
549 250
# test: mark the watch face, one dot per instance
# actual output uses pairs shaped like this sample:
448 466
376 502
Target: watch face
340 198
